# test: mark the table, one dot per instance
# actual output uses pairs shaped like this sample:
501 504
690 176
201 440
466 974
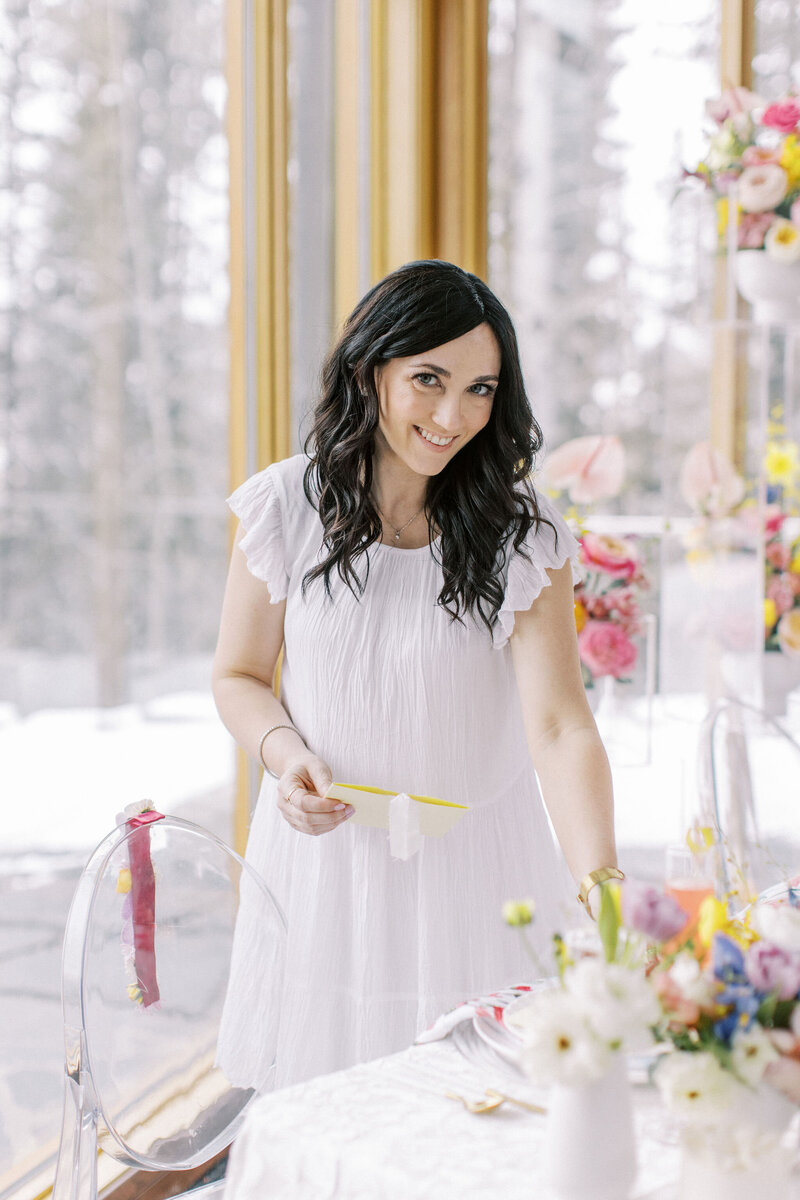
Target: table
384 1130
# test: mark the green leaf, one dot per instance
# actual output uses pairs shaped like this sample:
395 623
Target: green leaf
608 923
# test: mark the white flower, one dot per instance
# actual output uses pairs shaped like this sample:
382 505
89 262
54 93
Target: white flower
779 924
694 1085
782 241
751 1054
762 188
558 1045
693 984
618 1003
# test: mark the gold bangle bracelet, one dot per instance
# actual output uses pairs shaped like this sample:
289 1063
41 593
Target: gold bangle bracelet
264 737
600 875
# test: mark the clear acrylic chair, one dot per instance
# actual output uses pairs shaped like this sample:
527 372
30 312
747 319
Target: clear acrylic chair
747 763
153 1032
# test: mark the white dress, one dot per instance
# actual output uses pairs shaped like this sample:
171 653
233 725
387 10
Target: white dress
390 692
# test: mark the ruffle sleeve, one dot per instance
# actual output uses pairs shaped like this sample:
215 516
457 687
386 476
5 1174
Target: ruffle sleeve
257 504
527 576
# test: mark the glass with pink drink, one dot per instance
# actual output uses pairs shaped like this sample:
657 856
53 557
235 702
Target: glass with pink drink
689 880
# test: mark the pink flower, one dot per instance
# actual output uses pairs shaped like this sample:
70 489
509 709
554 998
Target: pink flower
589 468
650 911
753 228
615 556
606 649
709 483
781 592
783 116
734 100
680 1010
778 555
757 156
794 212
771 969
762 188
774 516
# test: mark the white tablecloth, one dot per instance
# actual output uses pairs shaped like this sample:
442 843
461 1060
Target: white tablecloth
385 1131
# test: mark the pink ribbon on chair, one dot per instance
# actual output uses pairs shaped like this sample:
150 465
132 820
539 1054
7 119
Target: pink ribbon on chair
143 899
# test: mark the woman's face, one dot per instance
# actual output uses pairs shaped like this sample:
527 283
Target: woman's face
432 404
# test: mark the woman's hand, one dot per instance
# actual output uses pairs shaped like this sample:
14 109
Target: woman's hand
301 797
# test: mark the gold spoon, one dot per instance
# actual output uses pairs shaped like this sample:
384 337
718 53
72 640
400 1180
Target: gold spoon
493 1100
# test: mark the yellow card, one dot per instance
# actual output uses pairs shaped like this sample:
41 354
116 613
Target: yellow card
371 805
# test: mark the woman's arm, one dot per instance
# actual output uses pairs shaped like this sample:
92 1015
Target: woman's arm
250 639
562 736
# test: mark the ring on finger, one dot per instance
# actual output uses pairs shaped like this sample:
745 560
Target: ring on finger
298 787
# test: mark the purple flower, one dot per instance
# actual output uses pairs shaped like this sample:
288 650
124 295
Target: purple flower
649 911
771 969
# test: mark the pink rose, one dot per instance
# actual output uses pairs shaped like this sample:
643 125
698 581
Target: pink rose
762 188
650 911
778 555
782 116
753 228
615 556
782 593
606 649
771 969
757 156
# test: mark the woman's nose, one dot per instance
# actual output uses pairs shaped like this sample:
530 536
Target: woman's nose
447 412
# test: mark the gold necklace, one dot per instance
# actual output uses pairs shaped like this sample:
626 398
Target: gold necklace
397 532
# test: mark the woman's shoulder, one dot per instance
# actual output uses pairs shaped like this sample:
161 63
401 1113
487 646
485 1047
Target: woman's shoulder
280 482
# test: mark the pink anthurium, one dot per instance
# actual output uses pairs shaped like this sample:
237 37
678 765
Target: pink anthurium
709 482
587 468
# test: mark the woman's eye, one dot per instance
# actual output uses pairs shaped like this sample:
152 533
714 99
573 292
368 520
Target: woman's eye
483 389
426 378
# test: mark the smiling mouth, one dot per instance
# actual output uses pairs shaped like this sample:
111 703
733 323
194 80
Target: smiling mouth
433 439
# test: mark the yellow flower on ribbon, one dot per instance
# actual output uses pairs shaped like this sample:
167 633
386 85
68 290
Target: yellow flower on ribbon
790 160
770 614
124 881
781 462
580 616
713 916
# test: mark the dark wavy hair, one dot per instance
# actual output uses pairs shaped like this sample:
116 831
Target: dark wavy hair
482 501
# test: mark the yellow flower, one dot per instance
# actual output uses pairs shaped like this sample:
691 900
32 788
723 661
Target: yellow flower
580 616
124 880
781 462
790 160
770 614
712 917
519 912
794 565
700 838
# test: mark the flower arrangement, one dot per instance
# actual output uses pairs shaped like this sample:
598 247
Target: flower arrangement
608 599
727 1002
756 147
608 606
730 517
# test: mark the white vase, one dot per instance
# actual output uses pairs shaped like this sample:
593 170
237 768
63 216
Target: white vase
744 1158
771 287
590 1150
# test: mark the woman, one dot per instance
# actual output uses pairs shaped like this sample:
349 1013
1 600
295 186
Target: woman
423 593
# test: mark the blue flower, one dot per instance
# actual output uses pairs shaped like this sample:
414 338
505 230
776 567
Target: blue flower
743 1002
727 959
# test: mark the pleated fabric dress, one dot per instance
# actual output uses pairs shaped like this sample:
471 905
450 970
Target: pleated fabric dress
391 693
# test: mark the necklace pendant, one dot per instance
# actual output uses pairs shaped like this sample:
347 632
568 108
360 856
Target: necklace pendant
397 533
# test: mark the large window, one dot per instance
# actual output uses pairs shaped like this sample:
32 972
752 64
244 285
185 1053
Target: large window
113 472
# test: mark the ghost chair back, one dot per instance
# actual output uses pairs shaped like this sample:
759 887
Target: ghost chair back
155 1034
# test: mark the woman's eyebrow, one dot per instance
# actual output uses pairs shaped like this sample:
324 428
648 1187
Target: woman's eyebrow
443 371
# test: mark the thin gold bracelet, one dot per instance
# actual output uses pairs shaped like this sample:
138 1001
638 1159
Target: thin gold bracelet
264 737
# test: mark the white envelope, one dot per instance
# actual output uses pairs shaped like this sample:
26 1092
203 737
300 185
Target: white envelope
371 805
